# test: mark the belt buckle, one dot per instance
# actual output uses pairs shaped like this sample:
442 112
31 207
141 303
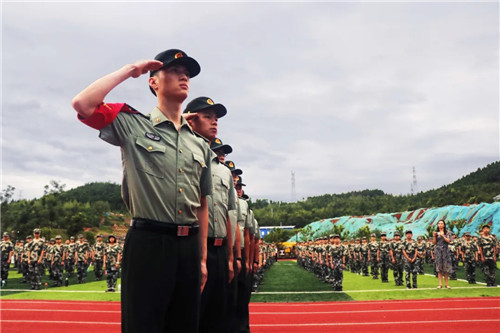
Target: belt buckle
182 230
218 241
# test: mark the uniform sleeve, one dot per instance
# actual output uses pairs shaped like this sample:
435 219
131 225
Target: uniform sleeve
206 174
249 221
231 195
105 114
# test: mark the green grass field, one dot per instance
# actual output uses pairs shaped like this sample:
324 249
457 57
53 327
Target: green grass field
284 282
287 282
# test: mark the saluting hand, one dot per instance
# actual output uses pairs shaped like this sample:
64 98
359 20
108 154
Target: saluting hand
143 66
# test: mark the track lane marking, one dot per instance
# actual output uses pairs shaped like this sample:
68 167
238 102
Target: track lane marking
373 311
381 323
61 322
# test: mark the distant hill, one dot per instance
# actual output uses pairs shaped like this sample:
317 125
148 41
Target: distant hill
479 186
93 192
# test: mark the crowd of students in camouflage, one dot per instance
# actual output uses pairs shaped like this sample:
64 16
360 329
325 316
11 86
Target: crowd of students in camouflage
35 257
328 257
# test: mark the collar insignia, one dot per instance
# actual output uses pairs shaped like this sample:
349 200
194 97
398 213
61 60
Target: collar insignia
153 136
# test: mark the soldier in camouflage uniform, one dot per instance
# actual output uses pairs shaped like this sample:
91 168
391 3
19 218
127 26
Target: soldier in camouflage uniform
57 261
384 257
487 251
410 253
70 256
337 256
469 253
397 259
97 257
25 266
421 250
18 250
49 252
112 258
35 255
6 251
364 256
373 253
82 250
453 246
356 256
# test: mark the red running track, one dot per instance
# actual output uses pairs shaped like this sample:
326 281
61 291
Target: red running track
432 315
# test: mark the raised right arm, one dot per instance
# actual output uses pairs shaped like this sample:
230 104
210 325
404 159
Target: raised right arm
91 97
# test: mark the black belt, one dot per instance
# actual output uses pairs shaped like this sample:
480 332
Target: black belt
180 230
214 241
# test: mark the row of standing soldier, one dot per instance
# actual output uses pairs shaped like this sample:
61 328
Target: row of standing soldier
327 257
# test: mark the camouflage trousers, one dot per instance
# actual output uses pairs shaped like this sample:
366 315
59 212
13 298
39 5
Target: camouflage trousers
384 268
419 263
411 271
364 265
98 269
35 274
69 266
338 274
112 276
489 267
470 270
57 272
397 270
374 266
81 271
454 266
4 267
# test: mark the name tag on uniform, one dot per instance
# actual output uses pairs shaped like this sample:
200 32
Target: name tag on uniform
153 136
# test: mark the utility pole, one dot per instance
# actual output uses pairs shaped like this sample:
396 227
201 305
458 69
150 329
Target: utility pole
414 188
293 197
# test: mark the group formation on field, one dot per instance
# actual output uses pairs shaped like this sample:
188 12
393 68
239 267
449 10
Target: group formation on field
329 256
35 258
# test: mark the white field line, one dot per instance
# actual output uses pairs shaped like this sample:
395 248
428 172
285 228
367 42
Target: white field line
413 322
58 291
372 311
344 303
357 291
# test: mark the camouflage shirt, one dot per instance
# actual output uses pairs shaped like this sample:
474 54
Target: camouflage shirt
35 247
57 252
99 249
469 249
5 248
487 244
112 252
81 251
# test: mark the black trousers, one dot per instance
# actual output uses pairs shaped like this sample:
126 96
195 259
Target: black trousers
242 311
214 299
233 297
160 282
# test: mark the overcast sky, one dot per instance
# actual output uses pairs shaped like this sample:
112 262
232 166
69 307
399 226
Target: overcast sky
349 96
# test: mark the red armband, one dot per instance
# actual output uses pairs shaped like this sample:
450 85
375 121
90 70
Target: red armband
104 114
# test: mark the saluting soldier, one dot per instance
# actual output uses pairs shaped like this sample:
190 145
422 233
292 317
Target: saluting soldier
57 261
487 251
82 252
373 250
203 115
111 259
397 259
410 253
6 251
97 257
35 255
167 177
469 253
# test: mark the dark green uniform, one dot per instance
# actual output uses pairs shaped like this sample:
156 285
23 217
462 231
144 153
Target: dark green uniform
398 264
410 267
373 246
385 260
487 245
111 252
57 264
82 250
35 250
98 250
